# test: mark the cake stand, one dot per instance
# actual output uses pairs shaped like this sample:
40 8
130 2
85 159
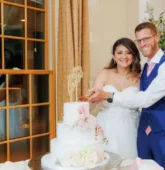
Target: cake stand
112 161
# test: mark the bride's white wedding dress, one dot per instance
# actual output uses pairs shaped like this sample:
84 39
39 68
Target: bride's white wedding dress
120 125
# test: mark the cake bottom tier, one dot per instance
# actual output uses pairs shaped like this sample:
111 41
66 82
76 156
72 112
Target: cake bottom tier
60 150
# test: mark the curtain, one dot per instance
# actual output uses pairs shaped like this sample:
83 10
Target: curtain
73 47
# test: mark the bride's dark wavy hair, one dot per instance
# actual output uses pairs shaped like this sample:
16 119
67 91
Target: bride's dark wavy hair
131 46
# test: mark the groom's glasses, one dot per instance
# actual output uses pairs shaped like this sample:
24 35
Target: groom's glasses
145 40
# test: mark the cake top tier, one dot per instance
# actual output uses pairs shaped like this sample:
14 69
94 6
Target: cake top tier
72 111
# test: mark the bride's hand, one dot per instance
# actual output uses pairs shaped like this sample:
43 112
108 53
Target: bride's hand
89 93
98 96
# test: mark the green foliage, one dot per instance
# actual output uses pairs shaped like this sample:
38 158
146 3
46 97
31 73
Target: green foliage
159 23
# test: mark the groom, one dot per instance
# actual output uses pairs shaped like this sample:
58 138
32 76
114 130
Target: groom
151 98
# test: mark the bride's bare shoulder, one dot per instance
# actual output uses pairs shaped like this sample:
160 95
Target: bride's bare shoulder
108 71
105 74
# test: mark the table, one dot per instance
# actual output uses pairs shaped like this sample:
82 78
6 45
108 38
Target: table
23 165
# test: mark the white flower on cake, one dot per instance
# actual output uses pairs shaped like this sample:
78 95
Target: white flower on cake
84 158
74 159
72 119
86 122
92 156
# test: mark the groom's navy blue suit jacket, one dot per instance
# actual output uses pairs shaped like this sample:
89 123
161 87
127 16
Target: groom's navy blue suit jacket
153 116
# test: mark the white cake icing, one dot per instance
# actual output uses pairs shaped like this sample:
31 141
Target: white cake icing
79 139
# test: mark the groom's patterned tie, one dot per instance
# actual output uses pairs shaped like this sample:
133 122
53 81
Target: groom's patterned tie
149 69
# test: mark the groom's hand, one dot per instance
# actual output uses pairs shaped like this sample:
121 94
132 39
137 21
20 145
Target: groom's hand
99 96
89 93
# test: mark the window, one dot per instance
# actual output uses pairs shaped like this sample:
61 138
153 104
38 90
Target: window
27 95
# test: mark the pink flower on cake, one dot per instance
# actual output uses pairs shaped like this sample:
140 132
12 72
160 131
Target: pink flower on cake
83 109
86 122
99 132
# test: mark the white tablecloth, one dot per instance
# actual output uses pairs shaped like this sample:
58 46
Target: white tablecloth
23 165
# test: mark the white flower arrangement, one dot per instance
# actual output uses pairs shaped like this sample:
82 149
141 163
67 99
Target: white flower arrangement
84 158
159 23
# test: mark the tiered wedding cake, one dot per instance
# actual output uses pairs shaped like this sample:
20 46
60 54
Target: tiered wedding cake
79 142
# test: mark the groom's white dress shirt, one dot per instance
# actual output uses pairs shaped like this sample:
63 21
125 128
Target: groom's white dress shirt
154 92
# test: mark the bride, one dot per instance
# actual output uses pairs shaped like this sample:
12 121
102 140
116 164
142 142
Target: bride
122 75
